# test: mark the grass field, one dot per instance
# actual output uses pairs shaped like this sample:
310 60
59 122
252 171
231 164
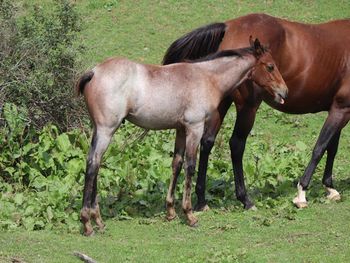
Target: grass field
142 30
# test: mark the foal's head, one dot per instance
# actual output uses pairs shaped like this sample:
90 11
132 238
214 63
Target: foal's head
266 74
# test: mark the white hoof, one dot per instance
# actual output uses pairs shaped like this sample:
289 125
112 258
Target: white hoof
200 211
300 199
333 194
253 208
206 208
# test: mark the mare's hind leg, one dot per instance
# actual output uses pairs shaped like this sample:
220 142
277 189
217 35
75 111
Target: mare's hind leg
337 118
327 176
193 137
207 143
100 141
180 144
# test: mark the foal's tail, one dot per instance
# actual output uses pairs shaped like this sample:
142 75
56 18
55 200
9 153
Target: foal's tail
196 44
82 81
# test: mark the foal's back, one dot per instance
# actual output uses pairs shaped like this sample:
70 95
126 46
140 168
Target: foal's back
151 96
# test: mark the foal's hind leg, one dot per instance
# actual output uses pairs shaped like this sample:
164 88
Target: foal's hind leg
180 144
193 136
327 176
95 208
100 141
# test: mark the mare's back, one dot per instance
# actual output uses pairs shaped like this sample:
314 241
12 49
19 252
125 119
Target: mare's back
310 57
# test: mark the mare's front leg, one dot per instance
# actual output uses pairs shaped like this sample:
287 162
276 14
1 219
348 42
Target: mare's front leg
244 122
207 143
180 144
193 136
337 118
100 141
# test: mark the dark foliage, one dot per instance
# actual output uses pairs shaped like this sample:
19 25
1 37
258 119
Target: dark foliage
38 62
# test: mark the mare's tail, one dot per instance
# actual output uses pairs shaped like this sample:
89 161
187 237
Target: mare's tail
82 81
196 44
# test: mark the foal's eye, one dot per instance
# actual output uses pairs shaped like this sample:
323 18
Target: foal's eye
270 67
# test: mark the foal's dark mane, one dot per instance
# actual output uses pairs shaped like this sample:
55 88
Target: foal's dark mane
224 53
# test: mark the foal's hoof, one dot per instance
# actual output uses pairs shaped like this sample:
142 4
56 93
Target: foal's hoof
170 217
333 194
89 233
100 225
192 221
299 204
102 228
195 225
201 208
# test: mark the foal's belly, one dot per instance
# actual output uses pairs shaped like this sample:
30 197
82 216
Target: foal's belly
168 118
152 123
156 118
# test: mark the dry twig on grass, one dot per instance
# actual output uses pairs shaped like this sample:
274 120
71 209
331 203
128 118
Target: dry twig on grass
84 257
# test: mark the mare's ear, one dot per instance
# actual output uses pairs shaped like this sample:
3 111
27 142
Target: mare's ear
251 42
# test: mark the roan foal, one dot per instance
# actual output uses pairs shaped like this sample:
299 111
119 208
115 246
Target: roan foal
182 96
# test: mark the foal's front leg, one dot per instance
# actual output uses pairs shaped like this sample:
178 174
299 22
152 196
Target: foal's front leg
180 144
193 136
207 142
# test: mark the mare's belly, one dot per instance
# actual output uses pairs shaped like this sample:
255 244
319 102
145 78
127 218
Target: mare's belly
301 105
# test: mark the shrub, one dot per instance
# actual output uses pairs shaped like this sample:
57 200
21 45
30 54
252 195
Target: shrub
38 62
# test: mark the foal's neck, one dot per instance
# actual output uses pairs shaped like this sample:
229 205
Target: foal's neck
230 72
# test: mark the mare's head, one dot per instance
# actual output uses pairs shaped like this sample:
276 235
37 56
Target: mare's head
266 74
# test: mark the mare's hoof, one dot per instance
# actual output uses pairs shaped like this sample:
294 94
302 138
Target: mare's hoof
333 194
300 199
201 208
252 208
248 205
299 204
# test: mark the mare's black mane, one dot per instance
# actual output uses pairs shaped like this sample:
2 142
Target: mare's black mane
225 53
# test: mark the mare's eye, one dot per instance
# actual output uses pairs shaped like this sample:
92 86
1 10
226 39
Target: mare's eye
270 67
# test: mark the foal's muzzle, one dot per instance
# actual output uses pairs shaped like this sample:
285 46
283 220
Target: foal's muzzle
280 96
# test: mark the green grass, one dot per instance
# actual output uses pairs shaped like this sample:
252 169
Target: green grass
317 234
142 30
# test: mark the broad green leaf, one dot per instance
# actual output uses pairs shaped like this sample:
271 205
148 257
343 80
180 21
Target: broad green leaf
18 198
63 142
28 223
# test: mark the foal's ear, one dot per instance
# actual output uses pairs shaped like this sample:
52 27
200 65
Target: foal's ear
258 48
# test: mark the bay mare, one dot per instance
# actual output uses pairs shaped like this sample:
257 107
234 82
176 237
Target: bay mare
314 60
182 96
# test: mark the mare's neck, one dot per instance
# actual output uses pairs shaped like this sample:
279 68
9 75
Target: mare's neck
230 72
